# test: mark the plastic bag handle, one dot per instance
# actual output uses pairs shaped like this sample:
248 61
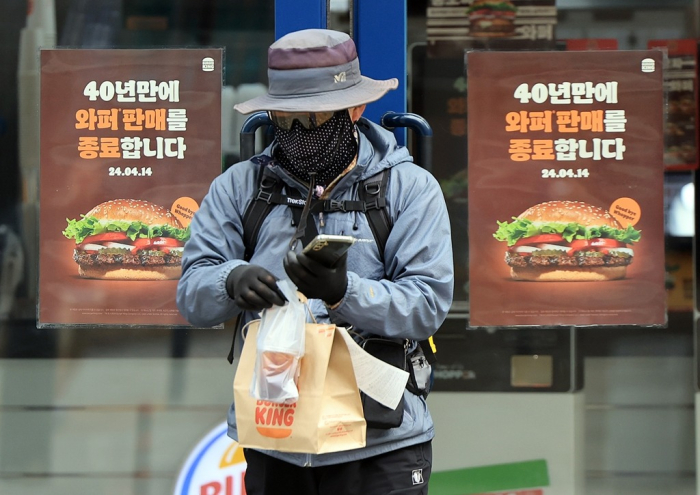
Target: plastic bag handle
244 330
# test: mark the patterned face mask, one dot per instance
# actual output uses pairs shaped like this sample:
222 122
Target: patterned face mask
326 150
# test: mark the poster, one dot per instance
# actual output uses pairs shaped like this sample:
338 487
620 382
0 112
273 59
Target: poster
454 25
130 142
579 44
680 79
566 188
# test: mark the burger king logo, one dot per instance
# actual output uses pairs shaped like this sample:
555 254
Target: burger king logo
274 420
216 466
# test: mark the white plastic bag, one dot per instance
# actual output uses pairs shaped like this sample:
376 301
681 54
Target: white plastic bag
280 346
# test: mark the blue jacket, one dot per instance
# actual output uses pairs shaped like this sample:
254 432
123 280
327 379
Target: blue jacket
405 296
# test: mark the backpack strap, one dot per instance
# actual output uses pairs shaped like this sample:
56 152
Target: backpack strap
373 195
298 201
269 189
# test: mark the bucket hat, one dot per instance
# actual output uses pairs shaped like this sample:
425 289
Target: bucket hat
315 70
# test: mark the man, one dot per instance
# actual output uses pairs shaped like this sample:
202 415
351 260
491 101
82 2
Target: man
323 148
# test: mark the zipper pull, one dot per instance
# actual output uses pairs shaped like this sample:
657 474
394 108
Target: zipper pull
321 222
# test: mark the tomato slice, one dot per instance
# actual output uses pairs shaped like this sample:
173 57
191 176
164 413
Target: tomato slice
107 236
158 242
579 245
599 244
540 239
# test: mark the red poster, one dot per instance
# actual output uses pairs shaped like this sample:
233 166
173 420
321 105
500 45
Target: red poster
130 141
566 188
680 79
580 44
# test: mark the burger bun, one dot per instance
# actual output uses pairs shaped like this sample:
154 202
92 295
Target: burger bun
104 272
134 210
568 274
571 212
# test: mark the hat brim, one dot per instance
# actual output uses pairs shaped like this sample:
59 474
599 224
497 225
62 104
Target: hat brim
366 91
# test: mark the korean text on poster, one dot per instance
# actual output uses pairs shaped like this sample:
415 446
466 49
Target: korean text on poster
565 188
130 142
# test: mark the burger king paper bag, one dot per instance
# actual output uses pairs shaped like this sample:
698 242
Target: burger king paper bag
328 415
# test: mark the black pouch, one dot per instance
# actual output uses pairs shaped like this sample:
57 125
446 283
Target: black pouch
394 353
419 373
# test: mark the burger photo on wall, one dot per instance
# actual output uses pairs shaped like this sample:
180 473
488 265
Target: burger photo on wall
567 241
128 239
492 18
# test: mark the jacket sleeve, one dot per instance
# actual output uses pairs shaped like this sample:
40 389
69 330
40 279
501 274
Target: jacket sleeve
214 249
414 298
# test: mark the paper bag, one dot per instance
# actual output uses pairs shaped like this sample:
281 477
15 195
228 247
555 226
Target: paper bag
327 417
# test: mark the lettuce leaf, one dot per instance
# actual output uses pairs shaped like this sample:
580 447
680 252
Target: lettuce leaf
87 226
519 228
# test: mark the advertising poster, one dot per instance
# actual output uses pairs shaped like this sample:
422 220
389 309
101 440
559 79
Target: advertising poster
492 24
566 188
580 44
680 80
130 142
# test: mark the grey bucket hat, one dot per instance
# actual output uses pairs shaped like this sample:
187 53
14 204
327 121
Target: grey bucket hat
315 70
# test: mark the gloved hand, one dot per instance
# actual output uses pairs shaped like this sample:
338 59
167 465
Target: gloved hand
315 280
253 288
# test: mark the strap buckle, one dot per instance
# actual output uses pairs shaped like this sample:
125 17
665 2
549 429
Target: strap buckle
376 203
264 196
335 205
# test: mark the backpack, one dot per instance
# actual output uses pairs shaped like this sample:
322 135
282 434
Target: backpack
372 202
372 192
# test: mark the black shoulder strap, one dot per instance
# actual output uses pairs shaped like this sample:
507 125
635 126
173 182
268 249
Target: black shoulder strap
269 190
373 194
311 231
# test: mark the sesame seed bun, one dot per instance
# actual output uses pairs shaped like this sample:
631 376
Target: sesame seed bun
134 210
568 274
571 211
107 272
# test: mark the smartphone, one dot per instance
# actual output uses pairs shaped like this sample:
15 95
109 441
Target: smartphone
327 249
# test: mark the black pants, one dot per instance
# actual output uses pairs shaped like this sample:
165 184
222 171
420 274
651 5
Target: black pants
405 471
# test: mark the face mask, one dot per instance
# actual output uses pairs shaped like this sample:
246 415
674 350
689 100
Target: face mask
326 150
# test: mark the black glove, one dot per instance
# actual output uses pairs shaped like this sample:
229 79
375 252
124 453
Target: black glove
315 280
253 288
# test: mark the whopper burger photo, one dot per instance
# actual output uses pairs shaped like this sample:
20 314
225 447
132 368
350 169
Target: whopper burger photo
491 18
567 241
128 239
